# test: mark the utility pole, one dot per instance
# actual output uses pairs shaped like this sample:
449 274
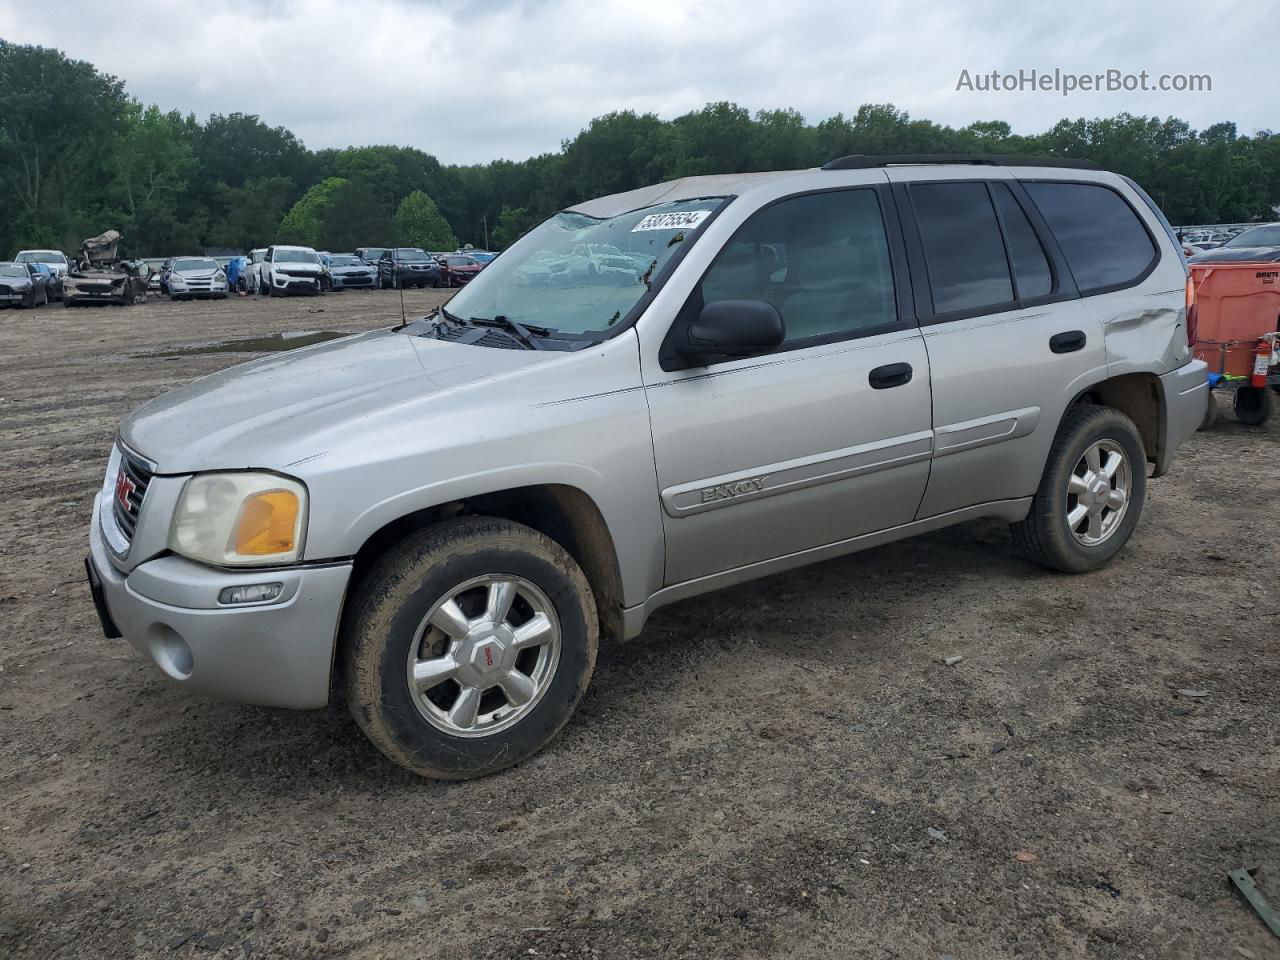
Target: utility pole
485 218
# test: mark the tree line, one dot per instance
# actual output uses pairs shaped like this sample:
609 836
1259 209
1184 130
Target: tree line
78 155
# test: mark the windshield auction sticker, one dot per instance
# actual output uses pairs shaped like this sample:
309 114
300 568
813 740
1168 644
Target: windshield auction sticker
671 221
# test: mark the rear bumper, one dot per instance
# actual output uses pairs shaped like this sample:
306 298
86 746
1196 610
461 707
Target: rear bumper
276 654
1184 394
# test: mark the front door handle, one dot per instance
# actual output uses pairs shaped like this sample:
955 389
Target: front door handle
1068 342
890 375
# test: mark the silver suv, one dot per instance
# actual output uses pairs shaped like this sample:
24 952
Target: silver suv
444 517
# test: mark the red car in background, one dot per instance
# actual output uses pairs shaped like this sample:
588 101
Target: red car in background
459 270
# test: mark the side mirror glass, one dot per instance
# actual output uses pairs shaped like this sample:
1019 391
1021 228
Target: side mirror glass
734 328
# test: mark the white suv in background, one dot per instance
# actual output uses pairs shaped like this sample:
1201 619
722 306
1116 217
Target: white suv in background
286 270
55 259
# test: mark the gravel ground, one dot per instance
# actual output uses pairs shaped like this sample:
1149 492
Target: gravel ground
784 769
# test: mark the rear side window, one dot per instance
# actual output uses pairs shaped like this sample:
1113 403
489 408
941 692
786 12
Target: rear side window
821 259
1031 273
1105 243
963 247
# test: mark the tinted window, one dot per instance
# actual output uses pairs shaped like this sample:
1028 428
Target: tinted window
1031 274
822 260
1104 242
963 249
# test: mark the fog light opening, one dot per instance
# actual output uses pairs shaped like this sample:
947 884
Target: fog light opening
250 593
171 653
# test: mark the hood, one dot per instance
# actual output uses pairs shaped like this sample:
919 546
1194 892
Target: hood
1237 254
279 410
361 268
196 274
300 265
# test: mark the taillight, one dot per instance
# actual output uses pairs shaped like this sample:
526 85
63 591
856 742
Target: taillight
1191 311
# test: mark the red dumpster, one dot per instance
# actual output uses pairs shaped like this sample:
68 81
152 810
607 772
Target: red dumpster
1236 305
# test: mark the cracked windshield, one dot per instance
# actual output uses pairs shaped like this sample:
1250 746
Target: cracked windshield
575 274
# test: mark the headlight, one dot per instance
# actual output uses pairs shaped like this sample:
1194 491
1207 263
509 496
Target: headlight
176 278
219 276
240 519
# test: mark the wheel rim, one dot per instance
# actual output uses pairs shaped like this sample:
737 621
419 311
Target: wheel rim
484 656
1098 493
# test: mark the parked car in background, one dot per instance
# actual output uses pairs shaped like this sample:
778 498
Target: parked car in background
253 269
155 282
402 267
1261 243
458 271
56 259
480 256
23 285
371 254
348 272
195 277
287 269
119 282
53 280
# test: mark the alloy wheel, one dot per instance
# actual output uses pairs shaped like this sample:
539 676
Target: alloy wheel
1098 492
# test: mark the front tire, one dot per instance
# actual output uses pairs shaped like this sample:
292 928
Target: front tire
468 646
1090 496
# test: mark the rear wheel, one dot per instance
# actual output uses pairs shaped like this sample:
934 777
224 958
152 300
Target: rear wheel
1091 494
468 647
1210 411
1253 405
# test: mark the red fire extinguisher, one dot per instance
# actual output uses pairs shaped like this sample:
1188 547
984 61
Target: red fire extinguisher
1261 362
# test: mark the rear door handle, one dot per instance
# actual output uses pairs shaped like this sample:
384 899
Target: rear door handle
1068 342
890 375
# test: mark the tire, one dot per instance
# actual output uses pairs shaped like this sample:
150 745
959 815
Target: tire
1253 405
1210 412
1046 535
383 630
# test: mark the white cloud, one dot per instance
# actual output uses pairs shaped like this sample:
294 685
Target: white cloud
474 81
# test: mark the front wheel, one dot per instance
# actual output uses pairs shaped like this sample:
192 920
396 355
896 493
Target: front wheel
1090 496
468 647
1253 405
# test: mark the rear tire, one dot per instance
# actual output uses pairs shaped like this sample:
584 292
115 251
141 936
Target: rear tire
1210 411
1075 524
1253 405
392 630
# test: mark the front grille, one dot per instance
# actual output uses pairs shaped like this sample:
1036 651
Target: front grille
299 273
5 289
126 502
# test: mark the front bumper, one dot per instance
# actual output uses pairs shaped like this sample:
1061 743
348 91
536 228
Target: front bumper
367 281
276 654
1181 409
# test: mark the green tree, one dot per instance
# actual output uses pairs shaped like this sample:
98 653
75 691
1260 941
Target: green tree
355 216
304 223
419 223
151 159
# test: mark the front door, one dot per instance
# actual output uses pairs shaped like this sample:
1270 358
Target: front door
821 440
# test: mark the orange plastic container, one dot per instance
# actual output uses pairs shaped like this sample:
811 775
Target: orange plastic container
1236 304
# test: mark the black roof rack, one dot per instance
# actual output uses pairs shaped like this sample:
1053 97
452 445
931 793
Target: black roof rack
858 161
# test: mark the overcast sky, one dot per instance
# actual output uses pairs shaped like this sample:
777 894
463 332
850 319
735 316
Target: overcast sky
473 80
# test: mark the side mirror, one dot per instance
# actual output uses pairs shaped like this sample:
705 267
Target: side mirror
734 328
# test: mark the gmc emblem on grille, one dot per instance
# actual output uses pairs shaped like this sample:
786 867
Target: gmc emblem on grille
124 487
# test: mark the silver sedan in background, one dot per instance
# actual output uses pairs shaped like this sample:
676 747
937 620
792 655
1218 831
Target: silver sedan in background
189 277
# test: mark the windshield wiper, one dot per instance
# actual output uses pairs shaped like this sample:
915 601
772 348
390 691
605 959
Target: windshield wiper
514 328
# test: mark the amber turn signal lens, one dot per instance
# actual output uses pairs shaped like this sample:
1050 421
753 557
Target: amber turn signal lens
268 524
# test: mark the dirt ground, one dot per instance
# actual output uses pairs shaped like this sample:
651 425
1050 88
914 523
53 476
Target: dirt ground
785 769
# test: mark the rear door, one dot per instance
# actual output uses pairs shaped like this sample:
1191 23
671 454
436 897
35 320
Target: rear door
821 440
1010 344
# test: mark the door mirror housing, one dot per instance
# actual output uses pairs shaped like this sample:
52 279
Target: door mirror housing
733 328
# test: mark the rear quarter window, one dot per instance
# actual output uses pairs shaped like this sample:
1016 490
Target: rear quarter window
1106 245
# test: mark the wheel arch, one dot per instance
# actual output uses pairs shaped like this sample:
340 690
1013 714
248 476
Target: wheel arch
1140 397
566 514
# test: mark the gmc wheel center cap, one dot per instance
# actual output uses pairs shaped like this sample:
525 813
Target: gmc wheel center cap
489 650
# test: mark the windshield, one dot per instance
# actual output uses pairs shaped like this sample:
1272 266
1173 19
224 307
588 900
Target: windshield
295 255
576 274
1268 236
411 255
195 263
41 256
9 270
346 262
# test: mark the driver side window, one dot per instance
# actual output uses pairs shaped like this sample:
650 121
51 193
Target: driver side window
822 261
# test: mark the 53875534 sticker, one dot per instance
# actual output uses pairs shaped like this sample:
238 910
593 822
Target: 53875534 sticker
683 220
